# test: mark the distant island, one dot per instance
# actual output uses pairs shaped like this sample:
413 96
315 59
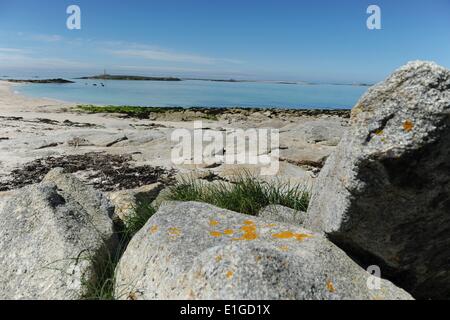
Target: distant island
225 80
282 82
234 80
144 78
363 84
353 84
58 80
126 77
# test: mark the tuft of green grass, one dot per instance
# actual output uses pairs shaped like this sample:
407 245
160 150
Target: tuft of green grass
246 194
102 285
101 282
134 223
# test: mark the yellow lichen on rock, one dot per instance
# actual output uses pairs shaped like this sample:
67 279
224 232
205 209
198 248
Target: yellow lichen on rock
291 235
330 287
213 223
215 234
249 231
284 235
174 232
228 232
408 126
302 236
153 229
270 225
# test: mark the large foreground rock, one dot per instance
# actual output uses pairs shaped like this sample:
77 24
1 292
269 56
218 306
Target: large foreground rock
51 234
197 251
384 195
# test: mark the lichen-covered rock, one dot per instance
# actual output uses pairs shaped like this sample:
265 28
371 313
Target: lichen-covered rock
384 194
282 214
51 234
190 250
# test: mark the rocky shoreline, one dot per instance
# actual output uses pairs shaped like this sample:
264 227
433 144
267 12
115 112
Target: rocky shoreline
85 188
33 130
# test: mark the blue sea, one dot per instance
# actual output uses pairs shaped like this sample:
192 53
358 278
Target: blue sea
198 93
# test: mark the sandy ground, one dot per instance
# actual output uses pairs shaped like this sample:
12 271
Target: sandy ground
35 129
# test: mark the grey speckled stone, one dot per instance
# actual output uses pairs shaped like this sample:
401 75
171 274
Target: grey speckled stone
3 198
197 251
50 234
126 202
324 132
384 194
282 214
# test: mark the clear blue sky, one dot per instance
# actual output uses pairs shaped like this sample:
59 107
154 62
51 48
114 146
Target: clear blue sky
313 40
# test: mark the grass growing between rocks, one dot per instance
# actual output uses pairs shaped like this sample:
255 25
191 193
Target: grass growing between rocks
102 288
247 194
135 222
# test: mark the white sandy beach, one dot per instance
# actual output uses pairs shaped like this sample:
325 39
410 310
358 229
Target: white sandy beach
32 129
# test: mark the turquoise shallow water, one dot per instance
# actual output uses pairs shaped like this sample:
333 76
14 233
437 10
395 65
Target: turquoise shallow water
190 93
